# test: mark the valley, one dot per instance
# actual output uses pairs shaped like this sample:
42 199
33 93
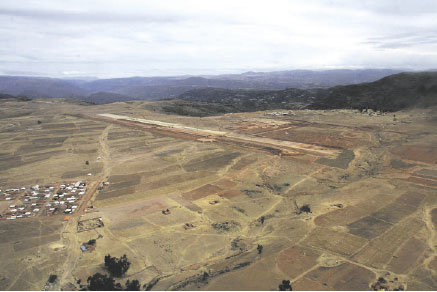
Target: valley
189 200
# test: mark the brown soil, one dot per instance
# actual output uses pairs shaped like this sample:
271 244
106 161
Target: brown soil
427 154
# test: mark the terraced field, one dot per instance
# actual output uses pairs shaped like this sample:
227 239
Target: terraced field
369 181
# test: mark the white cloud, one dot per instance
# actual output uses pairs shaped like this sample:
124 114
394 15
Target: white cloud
150 37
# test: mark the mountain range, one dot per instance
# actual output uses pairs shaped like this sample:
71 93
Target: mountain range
154 88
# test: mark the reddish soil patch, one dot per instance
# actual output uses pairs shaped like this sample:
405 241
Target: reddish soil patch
296 260
411 199
407 256
201 192
343 277
433 264
187 204
317 138
336 241
423 181
225 183
116 193
122 212
246 161
175 179
114 179
427 154
254 128
434 217
229 194
305 284
381 249
427 173
368 227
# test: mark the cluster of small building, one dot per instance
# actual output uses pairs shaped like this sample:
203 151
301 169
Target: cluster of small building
44 200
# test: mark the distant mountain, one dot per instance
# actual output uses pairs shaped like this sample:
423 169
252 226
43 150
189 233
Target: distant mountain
305 79
391 93
39 87
153 88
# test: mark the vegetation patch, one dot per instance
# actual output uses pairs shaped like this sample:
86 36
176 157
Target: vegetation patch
226 226
368 227
342 160
399 164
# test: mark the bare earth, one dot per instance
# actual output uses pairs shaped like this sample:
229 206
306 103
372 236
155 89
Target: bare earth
237 180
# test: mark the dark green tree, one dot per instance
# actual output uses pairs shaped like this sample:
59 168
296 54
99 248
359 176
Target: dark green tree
259 248
99 282
305 208
117 267
133 285
285 286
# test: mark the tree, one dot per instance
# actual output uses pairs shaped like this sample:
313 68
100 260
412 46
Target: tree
99 282
133 285
117 267
87 162
305 208
285 286
52 278
39 122
259 248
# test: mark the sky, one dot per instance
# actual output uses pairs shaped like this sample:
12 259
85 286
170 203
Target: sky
121 38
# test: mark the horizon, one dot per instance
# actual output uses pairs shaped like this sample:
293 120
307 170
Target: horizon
92 78
116 39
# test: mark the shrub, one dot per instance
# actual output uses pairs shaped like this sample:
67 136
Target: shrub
133 285
305 208
285 286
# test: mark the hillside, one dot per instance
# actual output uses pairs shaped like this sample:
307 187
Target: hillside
391 93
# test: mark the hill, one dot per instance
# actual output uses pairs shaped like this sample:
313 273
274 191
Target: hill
391 93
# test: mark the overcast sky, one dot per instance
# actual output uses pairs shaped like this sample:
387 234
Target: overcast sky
108 38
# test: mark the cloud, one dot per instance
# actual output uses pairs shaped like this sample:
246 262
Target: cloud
93 17
109 38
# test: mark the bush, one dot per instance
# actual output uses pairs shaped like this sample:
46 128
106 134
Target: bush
52 278
305 208
117 267
285 286
133 285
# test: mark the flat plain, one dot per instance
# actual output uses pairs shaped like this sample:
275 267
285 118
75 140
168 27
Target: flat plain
239 180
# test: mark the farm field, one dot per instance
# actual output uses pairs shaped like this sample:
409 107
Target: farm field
190 200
